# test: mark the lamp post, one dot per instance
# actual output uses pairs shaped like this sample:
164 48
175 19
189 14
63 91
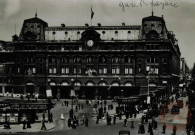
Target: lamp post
72 94
121 91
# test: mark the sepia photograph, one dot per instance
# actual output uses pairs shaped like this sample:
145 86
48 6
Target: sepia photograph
97 67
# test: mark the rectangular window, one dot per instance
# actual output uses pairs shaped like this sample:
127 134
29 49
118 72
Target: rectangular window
65 70
115 70
18 70
102 71
52 70
128 70
77 71
34 70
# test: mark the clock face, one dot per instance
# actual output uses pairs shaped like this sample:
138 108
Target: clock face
90 43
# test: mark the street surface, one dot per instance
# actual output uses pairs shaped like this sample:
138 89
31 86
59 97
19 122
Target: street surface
61 126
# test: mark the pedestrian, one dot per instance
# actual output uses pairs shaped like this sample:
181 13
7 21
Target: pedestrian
174 130
142 119
97 121
69 122
24 124
114 119
77 121
104 109
43 115
67 103
109 120
132 124
43 125
86 122
141 129
125 122
51 117
149 127
28 124
164 128
151 132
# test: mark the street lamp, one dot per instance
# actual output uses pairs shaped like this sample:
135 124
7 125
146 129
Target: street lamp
72 94
119 80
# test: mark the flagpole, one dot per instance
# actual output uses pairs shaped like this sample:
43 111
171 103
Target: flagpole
91 21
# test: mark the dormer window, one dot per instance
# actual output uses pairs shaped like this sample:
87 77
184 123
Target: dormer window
116 32
66 32
152 25
129 32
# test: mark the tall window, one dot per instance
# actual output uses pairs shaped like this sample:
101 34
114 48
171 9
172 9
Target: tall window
65 70
52 59
102 70
77 70
115 60
52 70
115 70
128 70
77 60
102 59
90 60
152 65
65 60
164 66
128 60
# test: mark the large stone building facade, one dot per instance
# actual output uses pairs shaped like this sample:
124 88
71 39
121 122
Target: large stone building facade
103 61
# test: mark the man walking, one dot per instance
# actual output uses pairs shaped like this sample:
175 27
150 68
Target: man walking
114 119
125 122
164 128
174 130
86 122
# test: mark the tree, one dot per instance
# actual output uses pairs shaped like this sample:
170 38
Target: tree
193 71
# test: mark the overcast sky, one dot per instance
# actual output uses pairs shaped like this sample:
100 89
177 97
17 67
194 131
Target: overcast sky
179 17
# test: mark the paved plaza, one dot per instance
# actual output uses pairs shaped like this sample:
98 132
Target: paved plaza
60 126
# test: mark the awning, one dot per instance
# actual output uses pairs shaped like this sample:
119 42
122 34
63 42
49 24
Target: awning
115 84
102 84
128 84
64 84
90 84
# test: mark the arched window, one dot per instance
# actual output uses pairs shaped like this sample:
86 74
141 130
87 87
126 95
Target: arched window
102 59
128 60
65 60
77 60
90 59
52 59
115 60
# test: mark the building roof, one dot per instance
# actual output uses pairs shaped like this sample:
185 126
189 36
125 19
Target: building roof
35 20
153 18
